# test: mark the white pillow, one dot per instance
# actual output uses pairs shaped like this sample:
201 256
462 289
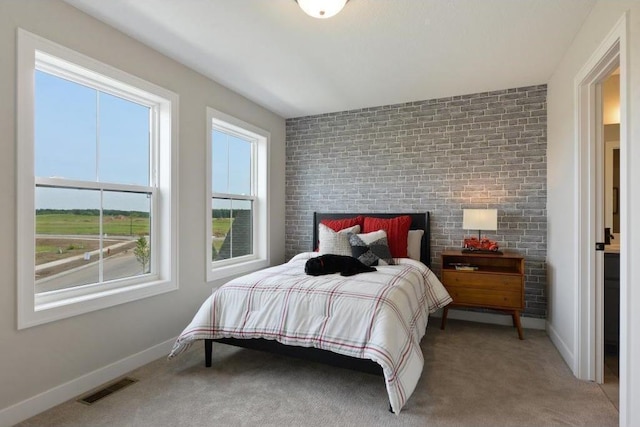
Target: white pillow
335 242
414 244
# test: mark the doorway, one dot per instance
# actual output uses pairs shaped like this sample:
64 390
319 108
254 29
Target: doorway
590 196
610 160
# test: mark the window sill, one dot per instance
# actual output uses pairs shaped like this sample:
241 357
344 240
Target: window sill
228 271
63 308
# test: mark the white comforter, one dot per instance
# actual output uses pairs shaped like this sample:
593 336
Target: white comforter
380 316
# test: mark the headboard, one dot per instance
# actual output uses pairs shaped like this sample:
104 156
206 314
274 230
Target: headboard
419 221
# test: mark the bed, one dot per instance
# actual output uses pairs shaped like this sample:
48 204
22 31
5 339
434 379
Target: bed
371 322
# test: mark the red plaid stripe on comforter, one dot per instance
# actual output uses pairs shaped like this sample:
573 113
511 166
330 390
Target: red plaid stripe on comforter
380 316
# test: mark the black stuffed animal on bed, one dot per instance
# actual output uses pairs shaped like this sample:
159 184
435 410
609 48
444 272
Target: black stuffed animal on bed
329 264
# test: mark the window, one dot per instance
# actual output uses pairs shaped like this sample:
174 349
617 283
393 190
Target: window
233 194
96 199
236 185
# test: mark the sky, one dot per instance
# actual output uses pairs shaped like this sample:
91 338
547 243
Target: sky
84 134
235 179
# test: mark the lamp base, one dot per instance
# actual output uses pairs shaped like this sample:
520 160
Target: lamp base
479 251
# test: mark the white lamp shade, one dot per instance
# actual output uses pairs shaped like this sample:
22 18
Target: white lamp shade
321 8
480 219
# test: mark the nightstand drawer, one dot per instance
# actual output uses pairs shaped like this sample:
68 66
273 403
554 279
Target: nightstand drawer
475 279
485 298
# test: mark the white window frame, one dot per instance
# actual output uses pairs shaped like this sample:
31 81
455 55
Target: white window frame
222 269
35 52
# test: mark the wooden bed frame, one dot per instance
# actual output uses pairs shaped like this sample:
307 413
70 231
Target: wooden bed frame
419 221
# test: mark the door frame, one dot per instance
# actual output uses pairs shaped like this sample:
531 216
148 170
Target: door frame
589 228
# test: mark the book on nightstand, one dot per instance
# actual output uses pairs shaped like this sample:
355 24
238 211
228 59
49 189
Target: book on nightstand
466 267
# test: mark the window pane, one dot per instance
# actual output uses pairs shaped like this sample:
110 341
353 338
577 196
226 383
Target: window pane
239 166
241 227
124 141
67 238
65 128
231 164
220 162
126 227
221 224
232 228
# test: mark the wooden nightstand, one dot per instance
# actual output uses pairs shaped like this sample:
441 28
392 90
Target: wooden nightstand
484 280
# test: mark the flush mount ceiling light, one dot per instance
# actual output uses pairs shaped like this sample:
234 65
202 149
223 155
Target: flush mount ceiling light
321 8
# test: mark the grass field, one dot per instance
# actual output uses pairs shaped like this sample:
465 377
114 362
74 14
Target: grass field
121 225
220 226
48 250
70 224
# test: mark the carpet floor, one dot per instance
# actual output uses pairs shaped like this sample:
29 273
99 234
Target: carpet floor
474 375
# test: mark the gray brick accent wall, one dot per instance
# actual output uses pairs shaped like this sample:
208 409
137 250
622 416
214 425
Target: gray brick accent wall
485 150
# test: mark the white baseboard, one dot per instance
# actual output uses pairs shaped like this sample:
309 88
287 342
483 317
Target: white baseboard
494 319
69 390
563 348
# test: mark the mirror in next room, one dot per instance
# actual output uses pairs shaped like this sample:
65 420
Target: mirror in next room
611 115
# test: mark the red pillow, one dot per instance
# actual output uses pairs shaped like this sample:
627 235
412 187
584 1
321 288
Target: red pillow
341 224
397 231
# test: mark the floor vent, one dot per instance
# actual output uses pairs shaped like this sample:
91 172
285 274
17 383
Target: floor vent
106 391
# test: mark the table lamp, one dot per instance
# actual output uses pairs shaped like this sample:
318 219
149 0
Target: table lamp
480 219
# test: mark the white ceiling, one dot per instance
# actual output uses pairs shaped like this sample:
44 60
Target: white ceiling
375 52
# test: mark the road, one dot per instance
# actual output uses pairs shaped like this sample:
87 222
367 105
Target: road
83 237
115 267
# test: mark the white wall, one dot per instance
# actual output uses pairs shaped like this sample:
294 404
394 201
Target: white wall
37 359
562 211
